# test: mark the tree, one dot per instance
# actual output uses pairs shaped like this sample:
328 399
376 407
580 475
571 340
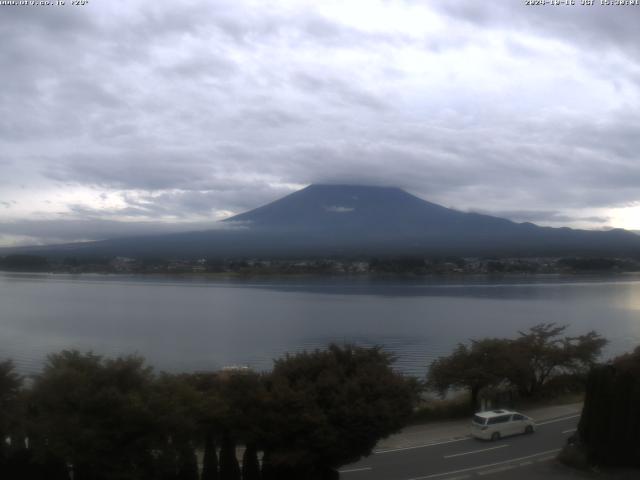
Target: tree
244 398
210 459
10 384
187 463
528 362
229 467
250 463
227 411
234 406
541 353
474 367
166 464
328 408
95 414
176 406
213 417
609 428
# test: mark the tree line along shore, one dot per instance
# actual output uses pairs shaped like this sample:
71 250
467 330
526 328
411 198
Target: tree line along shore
411 265
85 416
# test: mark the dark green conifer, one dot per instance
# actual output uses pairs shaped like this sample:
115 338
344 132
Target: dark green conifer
52 468
267 468
19 464
167 465
250 463
229 467
187 463
210 460
609 429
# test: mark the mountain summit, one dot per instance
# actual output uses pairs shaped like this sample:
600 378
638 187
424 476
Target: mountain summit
356 220
348 207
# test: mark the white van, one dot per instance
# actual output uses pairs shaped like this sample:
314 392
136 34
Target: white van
495 424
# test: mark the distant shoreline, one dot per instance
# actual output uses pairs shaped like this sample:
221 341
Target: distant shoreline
357 267
311 275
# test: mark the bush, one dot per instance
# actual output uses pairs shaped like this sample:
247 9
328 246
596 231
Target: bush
564 384
435 409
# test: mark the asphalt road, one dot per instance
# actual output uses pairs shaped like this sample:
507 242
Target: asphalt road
467 457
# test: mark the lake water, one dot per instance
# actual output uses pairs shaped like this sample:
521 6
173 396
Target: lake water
196 324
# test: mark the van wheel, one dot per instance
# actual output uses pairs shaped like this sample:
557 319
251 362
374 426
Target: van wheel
528 430
495 436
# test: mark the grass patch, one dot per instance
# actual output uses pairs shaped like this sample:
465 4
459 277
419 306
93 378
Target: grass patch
563 399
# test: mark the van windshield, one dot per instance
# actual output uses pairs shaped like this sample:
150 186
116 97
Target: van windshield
479 420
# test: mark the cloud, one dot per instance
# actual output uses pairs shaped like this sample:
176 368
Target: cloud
28 232
191 111
339 91
545 217
591 28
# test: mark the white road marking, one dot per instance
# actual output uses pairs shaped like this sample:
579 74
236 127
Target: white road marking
545 459
475 451
497 470
569 431
421 446
351 470
479 467
558 420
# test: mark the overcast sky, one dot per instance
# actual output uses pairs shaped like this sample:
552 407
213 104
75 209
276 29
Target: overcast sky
133 117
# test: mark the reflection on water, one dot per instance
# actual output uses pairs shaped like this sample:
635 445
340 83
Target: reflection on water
191 323
632 303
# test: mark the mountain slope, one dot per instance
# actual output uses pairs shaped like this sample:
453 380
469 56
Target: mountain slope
324 220
364 209
388 219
